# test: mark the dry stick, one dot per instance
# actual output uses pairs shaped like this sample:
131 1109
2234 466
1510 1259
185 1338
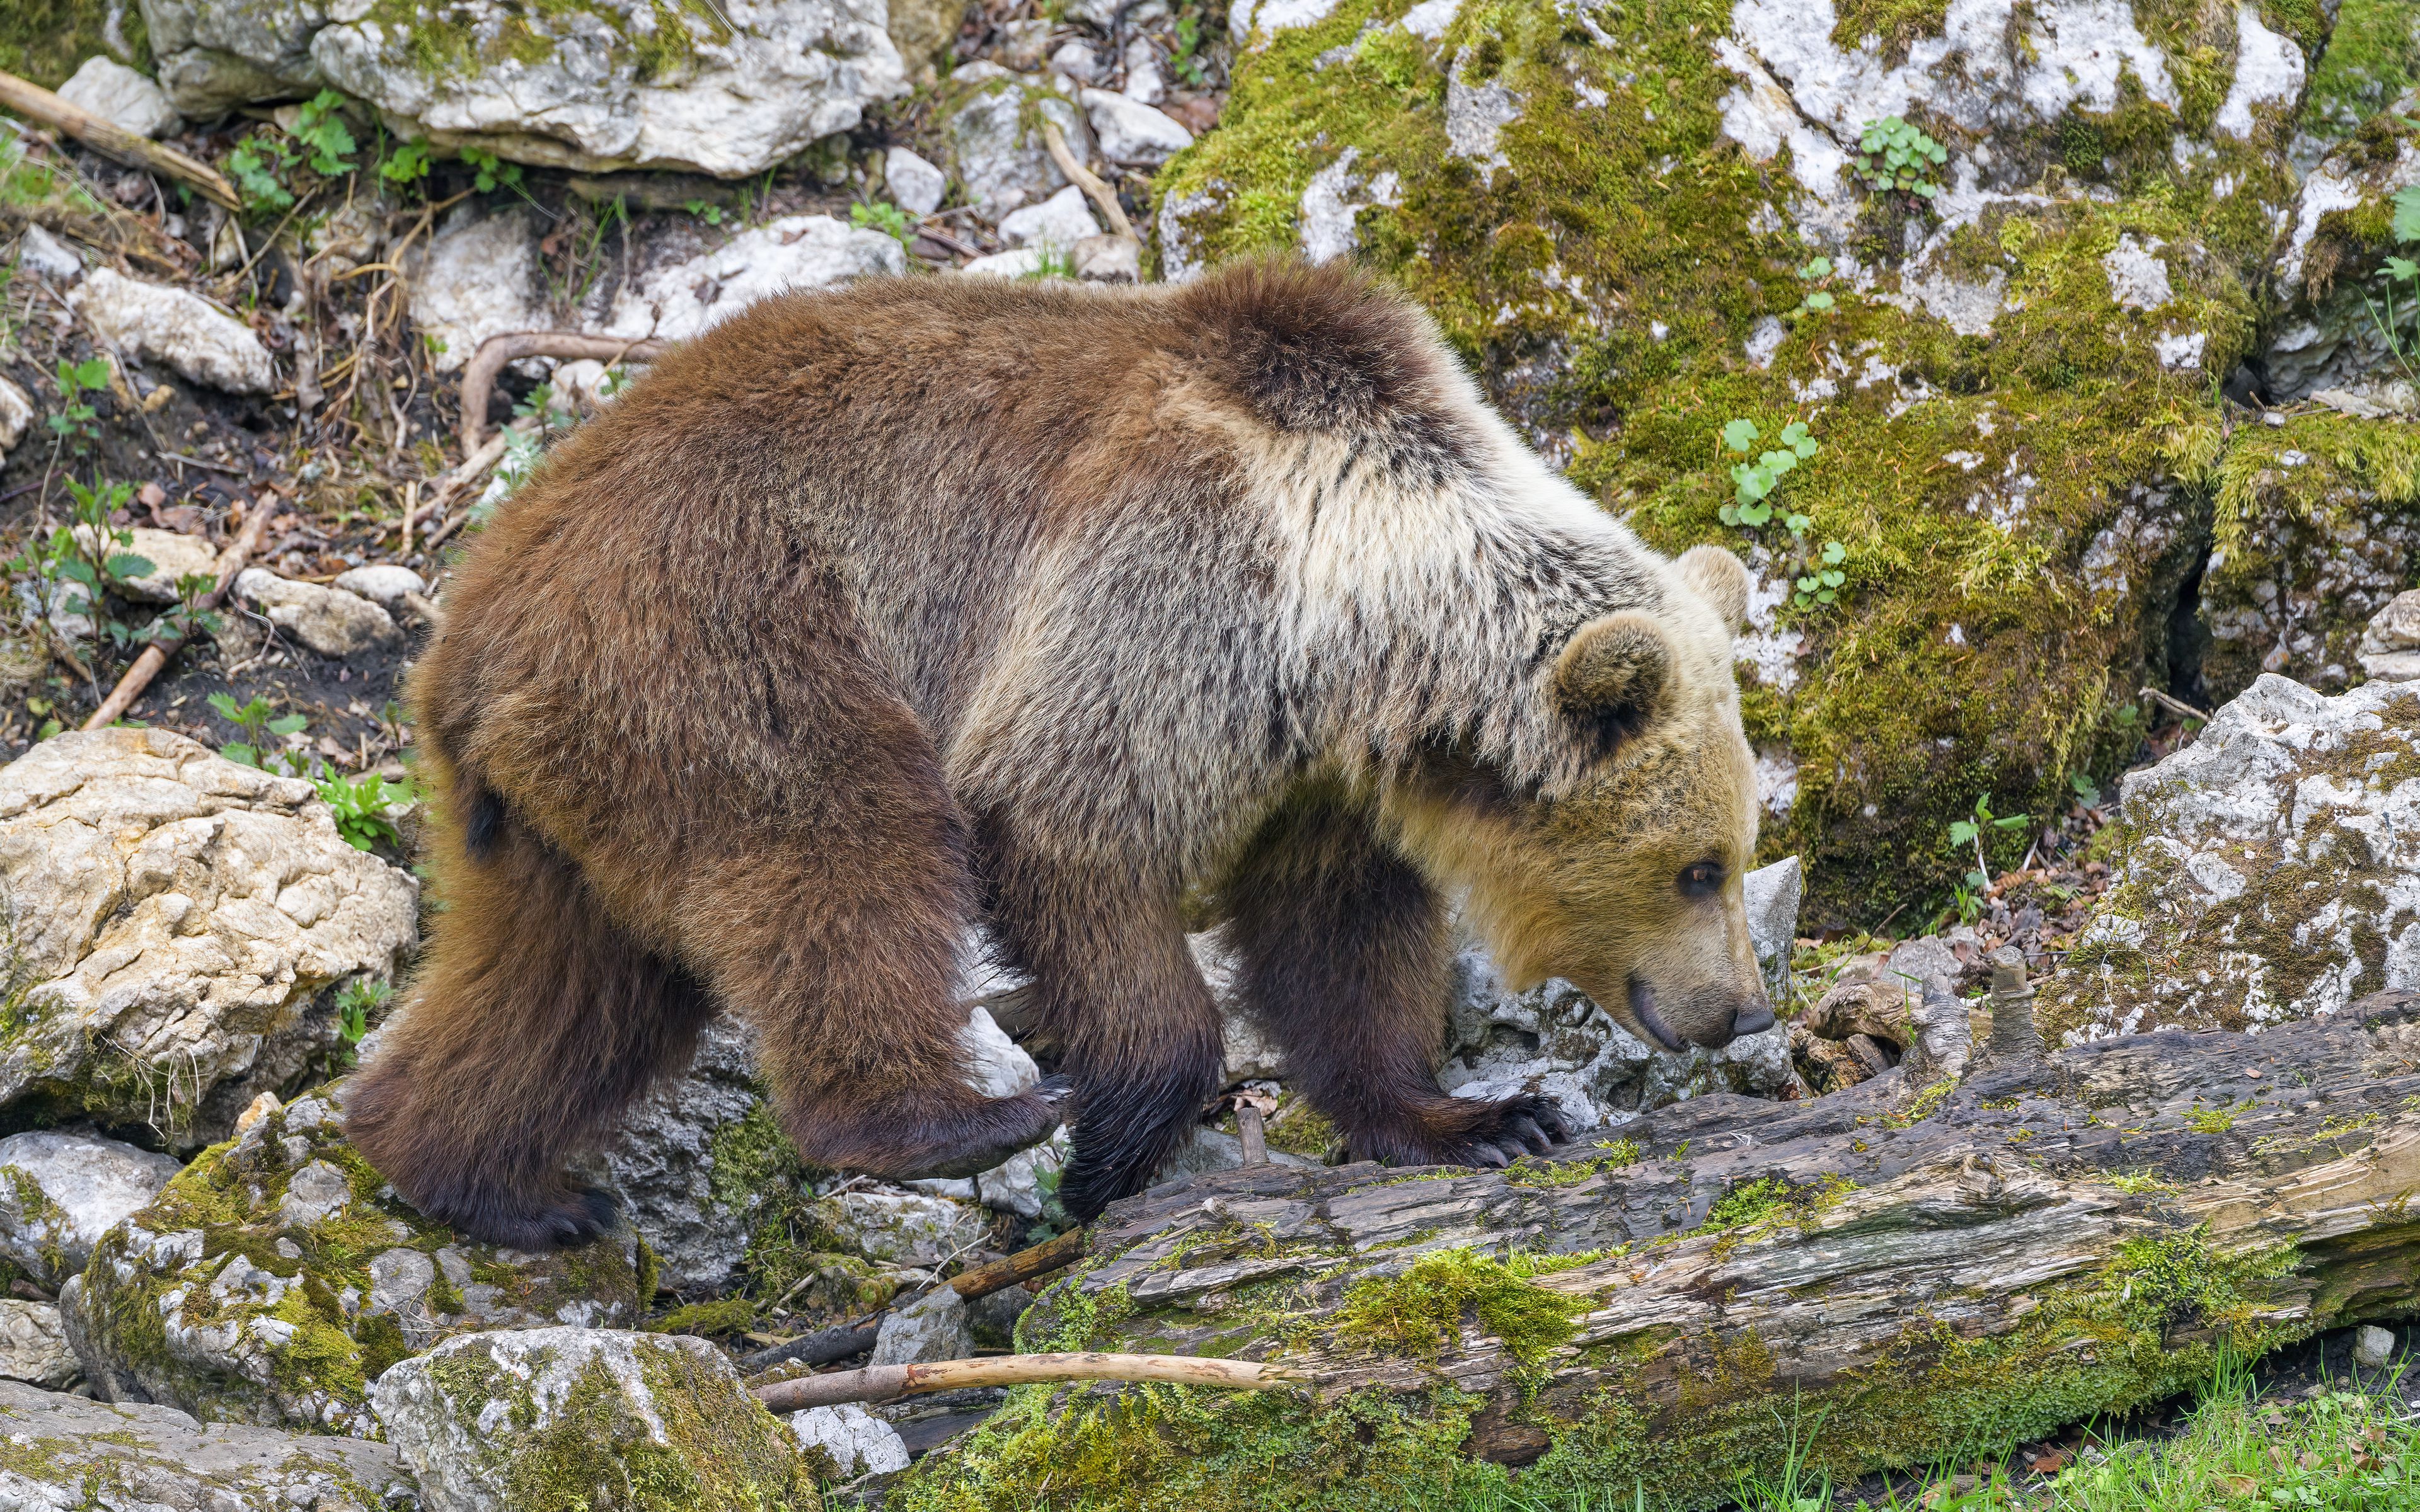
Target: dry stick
1043 1259
156 655
479 373
35 102
1087 180
883 1382
1252 1132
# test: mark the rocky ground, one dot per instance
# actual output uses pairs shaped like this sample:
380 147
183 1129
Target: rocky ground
2075 631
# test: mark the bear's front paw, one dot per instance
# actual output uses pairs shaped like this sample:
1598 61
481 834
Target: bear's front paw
564 1220
1495 1134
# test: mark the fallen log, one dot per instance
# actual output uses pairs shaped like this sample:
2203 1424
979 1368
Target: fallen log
109 139
1889 1275
889 1383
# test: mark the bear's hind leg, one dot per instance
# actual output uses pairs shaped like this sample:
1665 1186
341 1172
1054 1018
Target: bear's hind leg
1344 965
534 1025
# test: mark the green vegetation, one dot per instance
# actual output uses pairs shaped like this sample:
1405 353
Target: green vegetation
259 720
1418 1312
45 41
1894 155
264 164
883 216
75 421
1975 827
1756 479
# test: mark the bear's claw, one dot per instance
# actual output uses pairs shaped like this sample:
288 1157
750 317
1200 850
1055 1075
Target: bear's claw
566 1222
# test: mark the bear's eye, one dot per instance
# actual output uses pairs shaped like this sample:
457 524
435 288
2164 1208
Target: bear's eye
1702 880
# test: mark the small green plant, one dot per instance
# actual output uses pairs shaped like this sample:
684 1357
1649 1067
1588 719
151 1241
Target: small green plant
1894 155
320 139
489 172
76 420
711 214
361 804
1816 299
1822 581
884 217
617 379
2211 1120
1051 262
2403 273
360 997
319 131
258 722
1756 479
2088 793
1185 59
1972 830
407 165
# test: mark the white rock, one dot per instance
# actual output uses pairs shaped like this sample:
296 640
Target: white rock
141 1458
476 1415
1475 116
2373 1348
996 141
383 583
905 1229
1333 201
2268 72
34 1347
1076 60
16 413
171 908
1270 17
156 323
477 278
859 1442
328 620
1429 18
172 556
916 186
1144 83
1018 262
2281 852
2138 280
1773 895
121 96
798 251
1108 259
933 1327
61 1191
1022 1183
1132 132
1061 221
997 1066
40 252
2390 646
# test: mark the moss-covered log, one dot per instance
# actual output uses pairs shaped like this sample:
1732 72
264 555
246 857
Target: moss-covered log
1887 1275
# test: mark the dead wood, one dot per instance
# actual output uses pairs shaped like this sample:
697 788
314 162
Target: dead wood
1041 1259
156 655
479 373
888 1382
111 140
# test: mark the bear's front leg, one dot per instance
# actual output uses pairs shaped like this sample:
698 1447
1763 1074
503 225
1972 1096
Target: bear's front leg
1344 956
1116 987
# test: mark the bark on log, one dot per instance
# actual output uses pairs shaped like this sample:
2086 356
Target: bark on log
1892 1275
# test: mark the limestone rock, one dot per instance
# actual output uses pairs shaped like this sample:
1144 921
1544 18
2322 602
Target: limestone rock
1108 259
905 1229
280 1273
856 1442
995 140
1061 221
933 1327
16 413
683 1165
330 621
796 251
1018 262
181 927
477 278
923 30
2268 872
2390 646
155 323
637 1422
34 1345
997 1066
383 583
172 556
916 186
61 1191
1773 894
2327 338
2373 1348
121 96
64 1454
616 84
1131 132
39 252
1024 1184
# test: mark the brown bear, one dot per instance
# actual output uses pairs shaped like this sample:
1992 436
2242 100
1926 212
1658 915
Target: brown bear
870 612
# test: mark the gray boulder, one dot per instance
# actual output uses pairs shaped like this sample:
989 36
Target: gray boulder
122 97
796 251
2390 644
477 277
686 1183
60 1192
68 1454
856 1442
183 925
995 137
636 1422
34 1345
330 621
2328 342
936 1326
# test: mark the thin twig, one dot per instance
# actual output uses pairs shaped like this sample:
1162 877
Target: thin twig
2174 705
156 655
479 373
886 1382
1087 180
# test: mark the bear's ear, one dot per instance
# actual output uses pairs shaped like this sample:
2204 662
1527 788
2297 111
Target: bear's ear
1718 578
1611 679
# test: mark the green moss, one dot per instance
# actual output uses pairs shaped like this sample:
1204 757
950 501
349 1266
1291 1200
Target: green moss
1620 1154
45 41
2373 56
1299 1129
1420 1311
727 1315
1891 23
662 49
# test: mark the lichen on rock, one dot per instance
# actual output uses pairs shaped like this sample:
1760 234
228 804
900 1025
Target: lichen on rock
279 1275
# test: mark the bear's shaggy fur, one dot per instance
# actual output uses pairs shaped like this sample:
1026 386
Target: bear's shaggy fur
870 612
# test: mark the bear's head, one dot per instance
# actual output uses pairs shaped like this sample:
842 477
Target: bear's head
1628 883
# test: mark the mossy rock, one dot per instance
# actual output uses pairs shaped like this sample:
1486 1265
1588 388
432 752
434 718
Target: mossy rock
279 1275
47 40
571 1420
2012 385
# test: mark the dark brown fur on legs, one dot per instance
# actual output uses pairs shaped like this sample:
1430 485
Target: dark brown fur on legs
1116 986
537 1025
1344 959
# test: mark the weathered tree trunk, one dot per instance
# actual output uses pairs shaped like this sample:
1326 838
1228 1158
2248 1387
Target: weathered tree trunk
1887 1275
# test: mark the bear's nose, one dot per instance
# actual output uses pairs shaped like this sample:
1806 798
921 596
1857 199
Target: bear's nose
1755 1018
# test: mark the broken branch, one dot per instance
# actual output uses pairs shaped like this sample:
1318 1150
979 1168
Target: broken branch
479 373
885 1382
1043 1259
1087 180
156 655
36 103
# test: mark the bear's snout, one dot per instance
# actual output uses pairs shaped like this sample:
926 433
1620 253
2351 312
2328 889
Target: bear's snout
1710 1017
